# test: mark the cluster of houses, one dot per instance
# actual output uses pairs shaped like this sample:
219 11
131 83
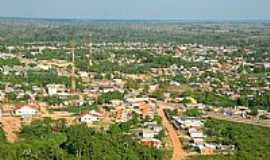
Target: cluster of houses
209 62
244 113
33 110
238 112
216 59
193 128
122 110
150 133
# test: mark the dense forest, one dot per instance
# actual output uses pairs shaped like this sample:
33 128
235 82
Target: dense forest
54 140
210 33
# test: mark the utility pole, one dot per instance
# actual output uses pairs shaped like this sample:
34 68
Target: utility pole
243 63
73 77
89 49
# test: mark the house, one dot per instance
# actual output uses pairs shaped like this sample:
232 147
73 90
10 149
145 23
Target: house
141 106
196 135
193 124
108 89
155 127
104 83
148 133
26 111
153 88
152 142
119 82
136 101
146 110
192 130
116 102
121 114
43 66
206 150
145 124
186 123
84 76
198 141
90 117
55 89
242 111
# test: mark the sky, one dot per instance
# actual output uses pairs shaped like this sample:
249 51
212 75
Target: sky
138 9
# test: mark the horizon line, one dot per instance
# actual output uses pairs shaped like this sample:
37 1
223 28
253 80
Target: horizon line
136 19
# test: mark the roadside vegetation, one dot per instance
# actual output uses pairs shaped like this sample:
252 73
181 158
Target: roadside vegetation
251 142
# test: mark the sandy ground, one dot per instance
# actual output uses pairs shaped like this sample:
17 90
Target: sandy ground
68 117
11 125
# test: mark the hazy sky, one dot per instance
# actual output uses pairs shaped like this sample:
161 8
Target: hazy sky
137 9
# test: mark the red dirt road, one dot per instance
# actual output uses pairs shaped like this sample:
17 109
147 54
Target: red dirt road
178 151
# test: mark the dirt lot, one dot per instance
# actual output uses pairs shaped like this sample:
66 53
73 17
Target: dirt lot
11 125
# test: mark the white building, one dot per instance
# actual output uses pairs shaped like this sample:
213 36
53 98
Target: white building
197 135
2 96
90 117
188 123
26 111
55 89
148 133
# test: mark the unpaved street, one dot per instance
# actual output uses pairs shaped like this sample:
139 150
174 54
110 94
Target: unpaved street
178 151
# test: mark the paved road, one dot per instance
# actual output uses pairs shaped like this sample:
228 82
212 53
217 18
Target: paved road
178 151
